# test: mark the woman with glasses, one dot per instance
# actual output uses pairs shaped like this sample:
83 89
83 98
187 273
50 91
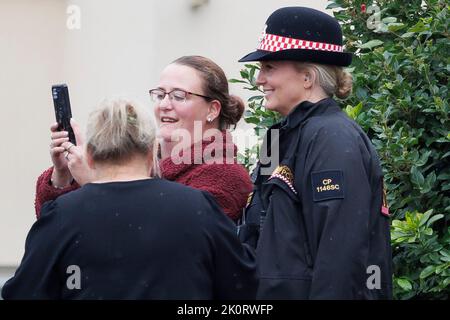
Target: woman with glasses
193 109
118 238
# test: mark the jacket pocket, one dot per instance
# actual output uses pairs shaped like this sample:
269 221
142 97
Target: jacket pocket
283 251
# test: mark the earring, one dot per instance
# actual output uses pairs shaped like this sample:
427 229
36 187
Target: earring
209 119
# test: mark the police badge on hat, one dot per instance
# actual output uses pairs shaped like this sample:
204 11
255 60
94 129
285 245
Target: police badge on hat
262 36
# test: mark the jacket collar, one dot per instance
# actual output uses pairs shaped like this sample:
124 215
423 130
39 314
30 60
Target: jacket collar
306 110
299 115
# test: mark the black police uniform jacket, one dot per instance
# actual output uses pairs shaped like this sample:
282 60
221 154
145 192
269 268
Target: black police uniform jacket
323 229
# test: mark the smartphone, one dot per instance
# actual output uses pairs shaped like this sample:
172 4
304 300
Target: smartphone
63 112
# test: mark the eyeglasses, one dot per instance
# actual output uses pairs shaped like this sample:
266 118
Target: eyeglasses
176 95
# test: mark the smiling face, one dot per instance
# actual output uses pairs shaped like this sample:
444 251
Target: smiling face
171 114
283 85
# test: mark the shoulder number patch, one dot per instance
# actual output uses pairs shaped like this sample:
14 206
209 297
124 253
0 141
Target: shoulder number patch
327 185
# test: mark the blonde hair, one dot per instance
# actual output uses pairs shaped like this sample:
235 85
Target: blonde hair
334 80
118 129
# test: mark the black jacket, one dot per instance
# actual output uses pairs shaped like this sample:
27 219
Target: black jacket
145 239
323 231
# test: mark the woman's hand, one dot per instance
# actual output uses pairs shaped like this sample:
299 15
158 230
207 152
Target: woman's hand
68 159
61 176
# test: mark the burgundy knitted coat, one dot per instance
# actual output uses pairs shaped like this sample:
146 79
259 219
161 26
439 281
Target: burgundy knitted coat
225 179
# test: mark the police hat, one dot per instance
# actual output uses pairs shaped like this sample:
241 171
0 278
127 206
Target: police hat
301 34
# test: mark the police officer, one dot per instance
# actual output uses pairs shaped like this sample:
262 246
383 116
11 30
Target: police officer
317 217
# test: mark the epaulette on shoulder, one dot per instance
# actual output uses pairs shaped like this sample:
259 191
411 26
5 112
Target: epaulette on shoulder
284 173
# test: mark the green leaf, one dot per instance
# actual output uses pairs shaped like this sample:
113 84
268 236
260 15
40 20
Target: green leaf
444 176
434 218
353 112
252 74
333 5
425 217
445 255
397 223
393 27
252 120
236 81
431 179
423 158
446 282
255 98
389 20
244 74
417 177
251 66
427 272
408 35
371 44
419 27
404 283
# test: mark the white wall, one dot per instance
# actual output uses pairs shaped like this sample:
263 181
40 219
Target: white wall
31 43
120 49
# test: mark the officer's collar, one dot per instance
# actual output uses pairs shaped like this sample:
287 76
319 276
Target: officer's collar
307 109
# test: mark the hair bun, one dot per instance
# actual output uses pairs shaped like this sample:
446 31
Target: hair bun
233 112
215 86
344 84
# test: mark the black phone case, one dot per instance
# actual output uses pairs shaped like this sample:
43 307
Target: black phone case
63 111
